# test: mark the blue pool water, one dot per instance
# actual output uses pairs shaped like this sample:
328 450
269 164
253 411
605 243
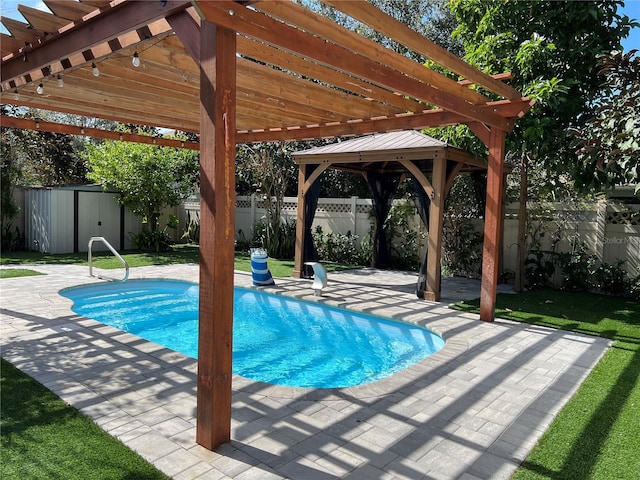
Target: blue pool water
277 339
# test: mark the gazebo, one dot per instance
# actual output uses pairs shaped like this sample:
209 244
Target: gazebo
384 159
246 71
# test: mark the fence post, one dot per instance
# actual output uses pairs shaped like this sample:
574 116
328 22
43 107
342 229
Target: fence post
601 229
253 209
354 213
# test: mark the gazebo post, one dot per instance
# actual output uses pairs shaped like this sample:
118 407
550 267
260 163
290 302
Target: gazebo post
434 245
217 227
494 211
300 223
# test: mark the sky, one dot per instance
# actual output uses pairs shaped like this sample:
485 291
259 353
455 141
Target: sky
9 8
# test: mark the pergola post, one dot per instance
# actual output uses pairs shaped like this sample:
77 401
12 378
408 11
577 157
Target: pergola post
434 245
494 211
217 232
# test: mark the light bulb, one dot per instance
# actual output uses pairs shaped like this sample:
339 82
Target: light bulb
16 95
94 69
135 60
60 81
40 89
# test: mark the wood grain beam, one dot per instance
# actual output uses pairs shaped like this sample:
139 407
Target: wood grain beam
274 56
494 211
436 218
396 30
258 25
40 125
311 22
21 31
428 119
96 30
217 234
9 44
71 11
40 20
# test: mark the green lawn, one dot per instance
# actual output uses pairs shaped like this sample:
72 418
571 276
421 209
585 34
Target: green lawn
177 255
44 438
18 272
596 435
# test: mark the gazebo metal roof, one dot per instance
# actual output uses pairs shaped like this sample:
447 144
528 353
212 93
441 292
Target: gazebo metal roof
384 151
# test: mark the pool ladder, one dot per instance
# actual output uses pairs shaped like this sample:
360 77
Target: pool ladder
113 250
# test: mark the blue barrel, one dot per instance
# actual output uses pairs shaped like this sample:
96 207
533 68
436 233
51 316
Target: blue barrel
259 268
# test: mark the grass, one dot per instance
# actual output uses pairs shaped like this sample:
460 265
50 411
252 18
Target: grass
44 438
595 436
179 254
18 272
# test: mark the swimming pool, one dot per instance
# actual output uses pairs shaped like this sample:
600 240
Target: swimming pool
277 339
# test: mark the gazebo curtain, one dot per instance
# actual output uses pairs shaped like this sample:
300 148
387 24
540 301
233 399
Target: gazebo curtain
422 202
383 186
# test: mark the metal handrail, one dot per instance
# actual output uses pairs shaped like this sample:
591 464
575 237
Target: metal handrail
113 250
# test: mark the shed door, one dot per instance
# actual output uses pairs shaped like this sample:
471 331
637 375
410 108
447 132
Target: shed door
98 216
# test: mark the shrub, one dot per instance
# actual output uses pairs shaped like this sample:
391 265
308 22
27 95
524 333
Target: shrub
461 252
539 268
148 241
278 239
12 239
403 238
577 268
612 279
633 289
338 247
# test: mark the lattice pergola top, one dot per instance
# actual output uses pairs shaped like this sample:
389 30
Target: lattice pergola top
383 152
299 75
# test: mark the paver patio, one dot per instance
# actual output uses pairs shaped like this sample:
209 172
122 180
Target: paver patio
471 411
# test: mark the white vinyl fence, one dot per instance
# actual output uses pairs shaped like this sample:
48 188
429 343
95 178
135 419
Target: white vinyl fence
611 231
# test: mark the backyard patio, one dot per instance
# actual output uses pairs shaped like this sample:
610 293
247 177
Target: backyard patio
472 410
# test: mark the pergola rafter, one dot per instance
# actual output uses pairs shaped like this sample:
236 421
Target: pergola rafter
236 72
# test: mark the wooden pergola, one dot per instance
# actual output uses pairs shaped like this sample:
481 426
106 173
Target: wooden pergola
247 71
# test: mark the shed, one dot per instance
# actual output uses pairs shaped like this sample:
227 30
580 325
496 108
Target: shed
62 219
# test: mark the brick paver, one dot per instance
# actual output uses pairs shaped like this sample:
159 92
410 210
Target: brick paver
472 410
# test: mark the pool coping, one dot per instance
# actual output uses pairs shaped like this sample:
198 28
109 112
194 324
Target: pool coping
472 410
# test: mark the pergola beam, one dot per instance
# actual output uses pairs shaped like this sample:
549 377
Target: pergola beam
43 126
389 26
239 18
121 19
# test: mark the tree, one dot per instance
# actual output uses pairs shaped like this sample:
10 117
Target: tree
269 171
10 173
45 158
552 50
149 178
609 142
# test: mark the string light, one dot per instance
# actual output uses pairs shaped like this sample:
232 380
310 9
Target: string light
94 69
135 60
40 89
60 81
16 95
